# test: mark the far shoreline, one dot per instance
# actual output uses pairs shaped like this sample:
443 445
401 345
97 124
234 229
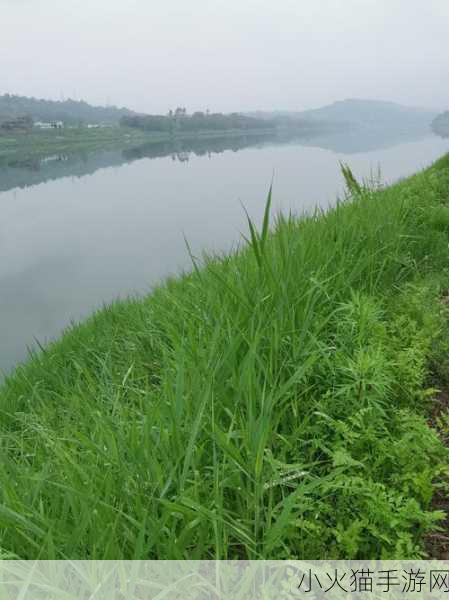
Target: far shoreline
37 144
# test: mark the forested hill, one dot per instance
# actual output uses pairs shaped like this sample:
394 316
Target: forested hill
440 124
69 111
373 113
360 113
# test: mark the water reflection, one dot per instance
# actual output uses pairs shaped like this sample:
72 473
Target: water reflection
22 172
17 172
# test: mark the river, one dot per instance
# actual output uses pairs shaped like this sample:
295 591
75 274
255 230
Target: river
77 231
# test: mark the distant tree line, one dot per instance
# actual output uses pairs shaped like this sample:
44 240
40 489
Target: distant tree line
71 112
179 121
23 123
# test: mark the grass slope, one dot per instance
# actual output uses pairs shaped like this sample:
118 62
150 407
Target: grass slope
272 403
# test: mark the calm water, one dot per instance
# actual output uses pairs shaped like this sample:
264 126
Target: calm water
78 231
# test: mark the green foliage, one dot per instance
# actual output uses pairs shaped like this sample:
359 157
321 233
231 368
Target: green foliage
27 148
181 122
23 123
69 111
271 403
352 184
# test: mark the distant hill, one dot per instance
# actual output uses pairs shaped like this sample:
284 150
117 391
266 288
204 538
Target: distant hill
295 119
68 111
440 124
354 113
372 113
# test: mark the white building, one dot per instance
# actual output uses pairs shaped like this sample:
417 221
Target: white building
41 125
52 125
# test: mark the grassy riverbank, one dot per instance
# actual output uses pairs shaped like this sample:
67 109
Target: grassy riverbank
272 403
38 144
54 141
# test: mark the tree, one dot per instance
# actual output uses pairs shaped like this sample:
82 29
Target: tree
22 123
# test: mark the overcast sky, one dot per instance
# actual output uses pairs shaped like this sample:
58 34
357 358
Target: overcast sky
226 55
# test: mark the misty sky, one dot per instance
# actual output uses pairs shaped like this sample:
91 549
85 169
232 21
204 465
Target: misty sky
226 55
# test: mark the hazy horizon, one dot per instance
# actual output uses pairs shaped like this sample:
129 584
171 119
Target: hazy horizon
245 111
225 56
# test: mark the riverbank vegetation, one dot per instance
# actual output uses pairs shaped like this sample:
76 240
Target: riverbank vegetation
20 148
178 122
32 129
35 144
272 403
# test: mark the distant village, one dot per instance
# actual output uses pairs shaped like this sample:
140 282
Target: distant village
26 124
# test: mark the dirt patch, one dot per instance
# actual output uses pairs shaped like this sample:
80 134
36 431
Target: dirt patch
440 406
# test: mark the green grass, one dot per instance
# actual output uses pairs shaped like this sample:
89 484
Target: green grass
270 404
37 144
19 147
